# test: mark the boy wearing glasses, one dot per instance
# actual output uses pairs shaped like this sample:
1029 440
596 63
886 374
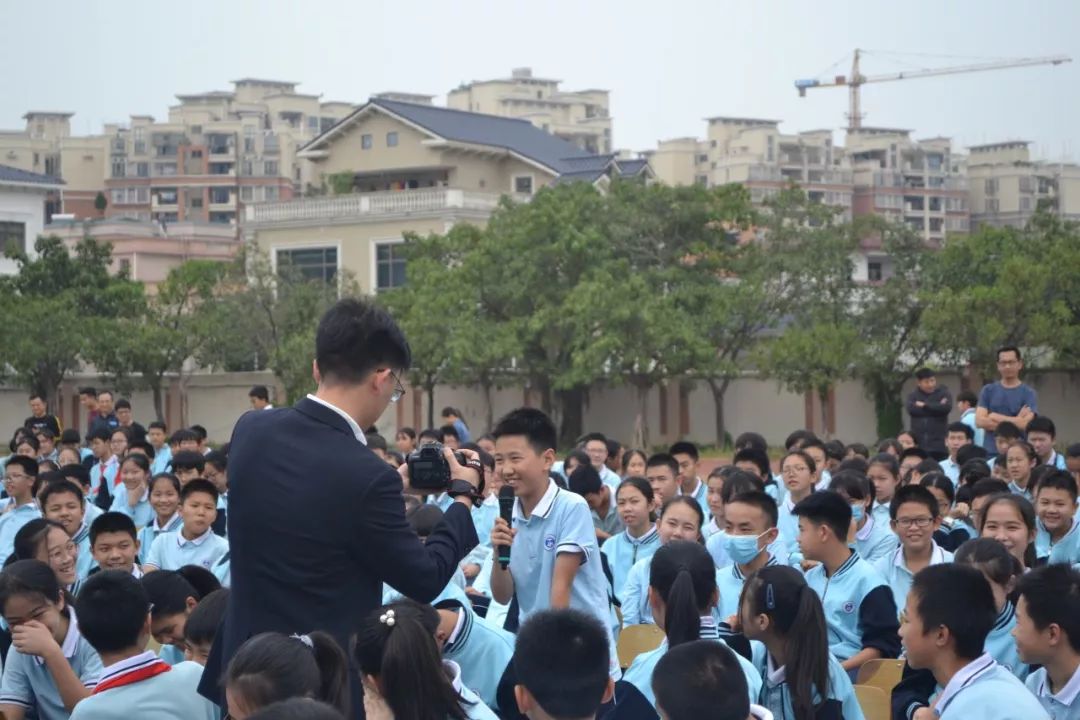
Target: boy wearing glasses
1007 400
915 517
19 477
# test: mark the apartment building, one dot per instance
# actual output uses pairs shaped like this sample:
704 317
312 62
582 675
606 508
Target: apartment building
753 152
1007 185
24 199
414 168
580 117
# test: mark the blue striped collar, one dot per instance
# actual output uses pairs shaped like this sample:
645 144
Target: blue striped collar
737 573
81 534
967 675
848 564
651 534
1005 616
136 662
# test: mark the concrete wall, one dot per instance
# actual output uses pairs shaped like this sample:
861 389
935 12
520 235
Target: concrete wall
22 205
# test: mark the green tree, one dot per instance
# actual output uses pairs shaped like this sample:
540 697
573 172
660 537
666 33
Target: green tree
100 203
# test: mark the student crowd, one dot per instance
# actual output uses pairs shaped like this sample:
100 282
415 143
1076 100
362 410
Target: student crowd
952 546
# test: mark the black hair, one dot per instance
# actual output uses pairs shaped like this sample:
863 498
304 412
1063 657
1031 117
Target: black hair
1073 451
910 435
532 424
169 590
28 464
140 460
988 486
664 459
98 433
407 432
30 577
1060 480
795 611
424 518
642 485
1008 348
761 501
887 444
1027 513
70 436
815 443
613 447
405 659
585 480
157 425
914 494
1027 447
143 445
756 456
804 456
271 667
259 391
168 477
973 471
44 432
835 450
112 522
701 679
112 608
738 482
375 441
924 373
939 481
297 708
887 461
1052 595
967 396
221 461
122 404
189 459
858 449
59 487
88 390
751 439
684 575
123 431
105 391
577 455
561 657
927 466
826 508
688 502
29 538
684 447
449 430
798 438
202 624
858 464
956 596
28 439
959 427
630 455
914 452
356 336
200 432
852 484
183 435
449 411
1008 431
430 433
198 485
591 437
991 557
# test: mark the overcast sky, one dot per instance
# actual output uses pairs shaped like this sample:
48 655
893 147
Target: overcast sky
667 63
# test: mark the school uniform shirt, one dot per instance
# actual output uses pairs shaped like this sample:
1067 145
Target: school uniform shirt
968 418
91 512
1001 644
701 494
839 703
640 672
167 694
984 690
635 600
560 523
859 608
875 539
730 581
1063 705
710 528
823 483
141 513
788 525
11 522
442 501
162 460
623 551
610 478
1057 460
482 651
222 570
1025 491
171 550
951 470
455 589
483 517
894 569
84 560
1065 550
474 707
28 683
103 474
150 532
612 522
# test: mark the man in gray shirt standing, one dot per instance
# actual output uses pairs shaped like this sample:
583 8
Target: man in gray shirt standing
1007 400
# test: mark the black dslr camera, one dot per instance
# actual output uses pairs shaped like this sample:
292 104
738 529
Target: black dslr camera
428 469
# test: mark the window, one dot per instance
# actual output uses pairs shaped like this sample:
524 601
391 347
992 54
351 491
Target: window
166 197
873 271
142 195
118 167
220 168
1026 185
313 123
125 267
991 186
118 197
1025 204
391 139
702 158
247 193
992 205
389 266
365 142
247 168
271 194
770 148
142 169
523 184
249 138
165 169
219 196
196 202
309 263
270 167
701 179
196 129
13 237
118 144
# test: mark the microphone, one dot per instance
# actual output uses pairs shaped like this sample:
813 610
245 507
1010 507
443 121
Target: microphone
506 512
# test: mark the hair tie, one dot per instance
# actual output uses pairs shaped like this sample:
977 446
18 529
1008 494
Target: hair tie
387 618
306 639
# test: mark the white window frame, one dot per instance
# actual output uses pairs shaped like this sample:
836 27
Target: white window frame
315 244
532 183
373 256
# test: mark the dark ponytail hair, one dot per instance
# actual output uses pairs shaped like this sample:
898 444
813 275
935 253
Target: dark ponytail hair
140 460
31 577
168 477
684 575
272 667
992 558
781 593
396 644
29 538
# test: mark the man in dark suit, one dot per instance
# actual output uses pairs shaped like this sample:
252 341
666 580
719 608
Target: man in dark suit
316 520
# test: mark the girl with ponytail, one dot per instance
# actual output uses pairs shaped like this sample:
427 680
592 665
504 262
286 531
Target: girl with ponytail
399 662
682 595
272 667
778 608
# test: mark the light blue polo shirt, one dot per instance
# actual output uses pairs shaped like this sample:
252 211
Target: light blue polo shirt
28 683
560 523
730 581
162 460
701 494
894 569
610 478
635 601
951 470
171 695
84 560
223 570
1063 705
1065 550
10 524
483 517
875 539
171 550
142 513
150 532
91 512
623 551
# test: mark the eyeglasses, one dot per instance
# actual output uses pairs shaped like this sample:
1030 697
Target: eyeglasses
399 390
795 470
920 522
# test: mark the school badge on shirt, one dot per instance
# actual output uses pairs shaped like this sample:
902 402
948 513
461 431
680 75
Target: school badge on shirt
549 542
849 607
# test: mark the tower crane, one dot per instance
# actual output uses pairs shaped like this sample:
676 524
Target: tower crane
856 79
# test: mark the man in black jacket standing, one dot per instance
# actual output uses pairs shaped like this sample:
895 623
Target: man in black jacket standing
929 405
316 520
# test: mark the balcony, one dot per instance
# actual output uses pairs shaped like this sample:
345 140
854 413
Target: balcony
361 205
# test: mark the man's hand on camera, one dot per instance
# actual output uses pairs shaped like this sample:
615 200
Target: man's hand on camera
471 475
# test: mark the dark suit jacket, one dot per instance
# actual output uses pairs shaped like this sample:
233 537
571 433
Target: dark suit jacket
316 526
